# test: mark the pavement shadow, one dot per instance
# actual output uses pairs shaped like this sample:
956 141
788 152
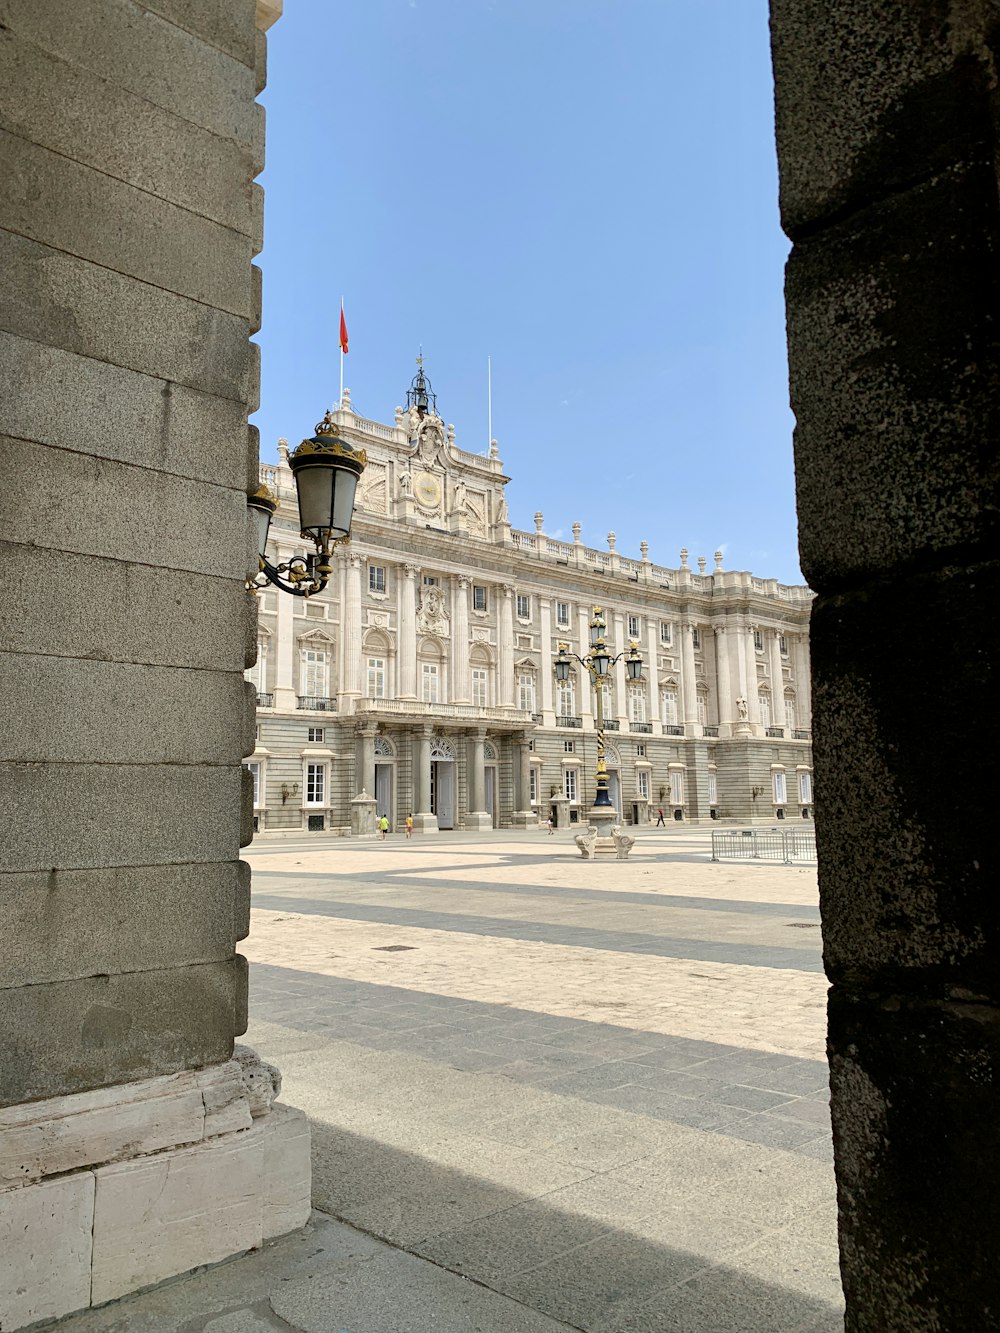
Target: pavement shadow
585 1268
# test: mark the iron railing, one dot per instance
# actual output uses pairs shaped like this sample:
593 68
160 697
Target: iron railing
612 724
785 846
710 731
646 727
264 700
569 721
670 730
315 703
775 733
801 734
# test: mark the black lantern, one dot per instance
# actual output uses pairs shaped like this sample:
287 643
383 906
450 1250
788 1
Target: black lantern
600 659
633 662
562 663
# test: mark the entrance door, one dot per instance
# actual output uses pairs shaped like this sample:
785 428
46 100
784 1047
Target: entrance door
491 790
383 792
615 790
443 793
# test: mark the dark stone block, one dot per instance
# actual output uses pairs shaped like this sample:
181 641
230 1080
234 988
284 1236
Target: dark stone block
874 95
904 825
72 1036
894 366
916 1103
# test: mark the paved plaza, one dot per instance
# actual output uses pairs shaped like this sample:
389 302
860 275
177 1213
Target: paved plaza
575 1094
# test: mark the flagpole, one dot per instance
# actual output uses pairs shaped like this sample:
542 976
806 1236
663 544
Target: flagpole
489 403
340 401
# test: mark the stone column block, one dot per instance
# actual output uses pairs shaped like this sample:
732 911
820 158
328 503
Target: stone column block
45 1249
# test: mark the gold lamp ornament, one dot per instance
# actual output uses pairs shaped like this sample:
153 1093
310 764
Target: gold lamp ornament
326 470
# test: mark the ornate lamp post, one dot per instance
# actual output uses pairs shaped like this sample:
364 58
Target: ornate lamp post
326 471
598 664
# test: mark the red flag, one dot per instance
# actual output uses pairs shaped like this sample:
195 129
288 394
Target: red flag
343 331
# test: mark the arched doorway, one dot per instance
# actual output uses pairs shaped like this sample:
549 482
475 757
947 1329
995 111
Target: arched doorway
443 783
385 785
491 787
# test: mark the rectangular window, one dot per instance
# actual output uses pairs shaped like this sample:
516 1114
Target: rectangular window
713 789
780 792
533 785
566 698
523 606
569 784
479 688
701 704
633 627
375 685
666 632
569 747
805 789
790 721
758 641
640 750
669 707
562 613
315 734
696 639
315 784
429 680
782 645
376 578
478 597
637 705
526 692
642 776
676 787
430 581
257 675
255 774
314 674
608 698
764 705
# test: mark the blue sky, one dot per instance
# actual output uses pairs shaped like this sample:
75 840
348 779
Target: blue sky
587 193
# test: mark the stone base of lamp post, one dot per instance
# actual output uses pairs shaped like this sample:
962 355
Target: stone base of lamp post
603 820
363 816
479 820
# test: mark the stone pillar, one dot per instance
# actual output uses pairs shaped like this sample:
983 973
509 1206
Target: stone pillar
619 642
750 656
803 681
407 652
688 685
584 686
368 734
423 820
889 195
545 673
777 678
524 815
351 631
128 376
505 644
460 680
653 675
478 816
723 676
286 684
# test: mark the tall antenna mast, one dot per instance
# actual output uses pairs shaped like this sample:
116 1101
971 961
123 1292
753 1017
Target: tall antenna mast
489 404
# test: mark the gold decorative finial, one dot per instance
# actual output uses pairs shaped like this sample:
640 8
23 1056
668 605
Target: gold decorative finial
326 426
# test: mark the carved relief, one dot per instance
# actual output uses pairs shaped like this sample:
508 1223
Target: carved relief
475 513
373 490
432 617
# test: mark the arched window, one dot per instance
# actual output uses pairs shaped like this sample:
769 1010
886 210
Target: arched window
701 703
430 672
481 676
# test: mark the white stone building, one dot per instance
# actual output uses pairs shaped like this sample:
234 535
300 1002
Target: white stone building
423 675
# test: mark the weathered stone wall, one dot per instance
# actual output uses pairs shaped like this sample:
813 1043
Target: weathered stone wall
886 120
129 142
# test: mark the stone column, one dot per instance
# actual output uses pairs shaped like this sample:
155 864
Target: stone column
505 644
653 674
351 634
460 679
286 684
406 654
545 674
584 681
777 678
750 656
524 815
889 194
619 642
478 816
423 820
803 682
722 675
368 734
688 685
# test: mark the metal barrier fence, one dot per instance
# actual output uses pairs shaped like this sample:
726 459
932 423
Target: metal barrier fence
786 846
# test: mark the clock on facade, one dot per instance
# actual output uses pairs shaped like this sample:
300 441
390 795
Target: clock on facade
427 490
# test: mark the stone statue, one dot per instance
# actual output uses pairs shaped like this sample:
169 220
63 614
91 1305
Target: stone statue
741 707
502 515
459 506
585 842
261 1081
405 482
624 843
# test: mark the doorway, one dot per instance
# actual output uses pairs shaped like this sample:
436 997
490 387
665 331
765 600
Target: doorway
383 793
490 800
443 792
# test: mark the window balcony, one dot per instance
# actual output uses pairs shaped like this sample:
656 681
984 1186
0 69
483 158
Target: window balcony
646 727
569 722
314 703
775 733
264 700
612 724
537 717
669 729
710 731
801 735
412 710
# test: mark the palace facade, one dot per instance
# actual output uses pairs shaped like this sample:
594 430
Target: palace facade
422 677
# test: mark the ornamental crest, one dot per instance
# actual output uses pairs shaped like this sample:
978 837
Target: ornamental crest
432 618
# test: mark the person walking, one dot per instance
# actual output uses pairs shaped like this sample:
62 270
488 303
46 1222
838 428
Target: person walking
659 817
409 826
383 827
551 826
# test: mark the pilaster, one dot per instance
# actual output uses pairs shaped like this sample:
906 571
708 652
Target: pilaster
407 652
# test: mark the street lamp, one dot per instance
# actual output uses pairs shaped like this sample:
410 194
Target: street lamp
326 471
598 664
